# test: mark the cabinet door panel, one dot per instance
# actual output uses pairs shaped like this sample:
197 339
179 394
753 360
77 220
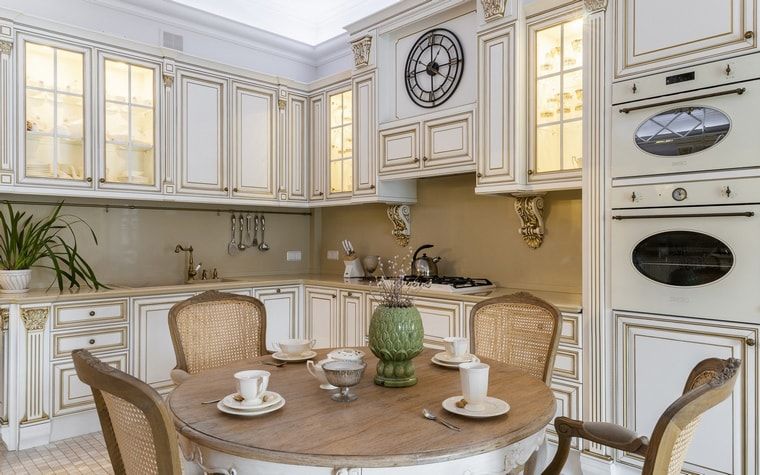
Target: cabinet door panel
654 359
322 317
254 141
202 134
440 319
298 155
72 395
318 149
352 317
365 135
448 141
399 149
282 313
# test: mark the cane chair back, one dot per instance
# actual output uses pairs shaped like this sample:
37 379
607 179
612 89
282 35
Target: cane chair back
520 330
215 328
137 427
709 383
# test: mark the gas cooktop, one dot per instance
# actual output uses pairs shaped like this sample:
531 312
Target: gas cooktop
459 285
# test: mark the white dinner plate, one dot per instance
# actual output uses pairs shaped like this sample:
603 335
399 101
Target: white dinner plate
231 403
444 360
494 407
306 355
228 410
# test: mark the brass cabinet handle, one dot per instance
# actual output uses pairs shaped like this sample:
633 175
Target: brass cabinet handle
350 294
750 342
480 175
226 189
415 159
739 91
235 190
371 187
530 172
321 193
92 341
278 291
424 159
102 180
333 296
92 313
748 35
89 179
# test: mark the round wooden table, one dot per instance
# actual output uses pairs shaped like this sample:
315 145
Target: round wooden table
383 432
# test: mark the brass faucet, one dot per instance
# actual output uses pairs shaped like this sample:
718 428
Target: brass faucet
192 269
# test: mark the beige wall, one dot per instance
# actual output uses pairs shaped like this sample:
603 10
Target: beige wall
136 247
477 236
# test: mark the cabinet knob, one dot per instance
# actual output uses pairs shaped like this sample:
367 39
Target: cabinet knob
415 159
480 175
102 180
530 172
235 190
634 88
89 179
750 342
371 187
92 341
278 291
92 313
333 296
424 159
226 189
321 193
748 35
350 294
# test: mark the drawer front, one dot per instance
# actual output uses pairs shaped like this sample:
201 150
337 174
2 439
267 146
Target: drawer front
72 395
80 314
448 141
108 339
439 319
567 364
571 329
399 149
568 397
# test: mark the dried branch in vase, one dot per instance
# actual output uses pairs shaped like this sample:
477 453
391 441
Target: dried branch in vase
392 289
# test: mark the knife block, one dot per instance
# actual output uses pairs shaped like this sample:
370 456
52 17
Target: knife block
353 269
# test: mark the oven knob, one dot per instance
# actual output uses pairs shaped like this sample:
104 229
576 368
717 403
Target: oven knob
679 194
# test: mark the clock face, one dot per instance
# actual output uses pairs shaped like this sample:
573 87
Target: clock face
434 68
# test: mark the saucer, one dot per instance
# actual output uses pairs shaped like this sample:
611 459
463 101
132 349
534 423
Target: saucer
444 357
306 355
494 407
235 412
230 402
438 362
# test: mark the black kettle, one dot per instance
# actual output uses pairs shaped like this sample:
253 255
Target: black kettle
424 266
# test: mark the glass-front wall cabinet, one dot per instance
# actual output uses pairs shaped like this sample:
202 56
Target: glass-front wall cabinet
341 143
54 106
557 99
129 150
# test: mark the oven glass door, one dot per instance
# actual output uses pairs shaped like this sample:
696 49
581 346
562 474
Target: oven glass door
697 262
690 132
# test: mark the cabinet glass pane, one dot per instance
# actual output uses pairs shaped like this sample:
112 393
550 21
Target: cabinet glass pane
548 100
572 95
348 181
347 141
347 107
336 143
572 146
130 123
341 146
336 173
548 51
548 148
54 112
572 44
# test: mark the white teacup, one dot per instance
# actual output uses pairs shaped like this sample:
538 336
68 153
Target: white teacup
456 346
315 369
346 354
252 384
295 346
474 378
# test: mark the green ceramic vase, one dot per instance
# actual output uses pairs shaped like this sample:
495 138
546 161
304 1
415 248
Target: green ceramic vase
395 337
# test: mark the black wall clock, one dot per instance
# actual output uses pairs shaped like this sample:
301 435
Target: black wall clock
434 68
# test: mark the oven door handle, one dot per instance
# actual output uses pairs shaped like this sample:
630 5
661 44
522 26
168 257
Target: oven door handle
745 214
738 91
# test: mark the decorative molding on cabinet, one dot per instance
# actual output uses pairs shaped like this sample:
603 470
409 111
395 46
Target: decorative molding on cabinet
6 103
401 218
168 134
6 47
5 314
530 207
168 80
282 104
361 49
493 9
34 320
593 6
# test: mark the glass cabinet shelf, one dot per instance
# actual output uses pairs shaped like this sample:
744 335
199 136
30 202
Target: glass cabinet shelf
341 143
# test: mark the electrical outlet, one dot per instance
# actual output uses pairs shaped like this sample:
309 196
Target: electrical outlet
293 255
333 255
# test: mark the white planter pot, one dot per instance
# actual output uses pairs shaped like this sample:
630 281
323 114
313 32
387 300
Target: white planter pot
15 281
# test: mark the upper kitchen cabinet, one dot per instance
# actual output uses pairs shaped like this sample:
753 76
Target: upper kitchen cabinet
340 168
647 38
317 147
254 126
54 142
298 148
201 133
128 126
365 134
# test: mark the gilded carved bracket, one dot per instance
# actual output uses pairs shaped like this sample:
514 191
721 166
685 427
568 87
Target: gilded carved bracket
401 218
493 9
530 207
361 49
34 318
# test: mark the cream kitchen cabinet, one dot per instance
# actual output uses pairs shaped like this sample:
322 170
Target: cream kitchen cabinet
254 141
365 134
318 148
71 395
322 323
647 39
152 348
440 319
352 319
201 133
283 305
653 359
298 148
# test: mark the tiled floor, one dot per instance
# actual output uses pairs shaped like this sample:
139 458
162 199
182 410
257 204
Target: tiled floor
84 454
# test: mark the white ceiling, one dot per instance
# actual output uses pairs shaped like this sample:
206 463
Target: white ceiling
307 21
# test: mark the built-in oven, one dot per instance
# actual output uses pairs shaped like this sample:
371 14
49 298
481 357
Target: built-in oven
696 120
688 249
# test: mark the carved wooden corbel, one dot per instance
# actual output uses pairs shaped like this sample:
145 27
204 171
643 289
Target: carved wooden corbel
595 5
5 316
168 80
529 207
6 47
493 9
401 218
361 49
34 318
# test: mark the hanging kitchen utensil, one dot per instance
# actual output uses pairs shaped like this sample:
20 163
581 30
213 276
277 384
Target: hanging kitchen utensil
249 230
232 247
255 242
263 246
241 243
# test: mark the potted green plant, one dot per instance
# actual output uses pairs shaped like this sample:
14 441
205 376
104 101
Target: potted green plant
49 243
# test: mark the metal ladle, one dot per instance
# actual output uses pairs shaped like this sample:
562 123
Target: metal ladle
263 246
241 243
232 247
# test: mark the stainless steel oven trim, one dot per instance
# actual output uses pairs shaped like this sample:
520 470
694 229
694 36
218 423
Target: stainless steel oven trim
739 91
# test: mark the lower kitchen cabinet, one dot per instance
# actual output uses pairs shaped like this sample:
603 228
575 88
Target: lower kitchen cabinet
352 318
654 357
283 308
152 348
440 319
72 395
322 316
569 401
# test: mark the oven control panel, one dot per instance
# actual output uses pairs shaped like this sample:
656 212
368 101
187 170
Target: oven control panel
700 193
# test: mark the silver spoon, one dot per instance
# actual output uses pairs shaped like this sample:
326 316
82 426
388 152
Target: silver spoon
241 244
263 246
232 247
429 415
255 242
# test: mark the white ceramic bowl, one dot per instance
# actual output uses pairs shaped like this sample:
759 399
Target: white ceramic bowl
295 346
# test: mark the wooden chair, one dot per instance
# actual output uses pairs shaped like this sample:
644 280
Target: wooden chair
137 427
709 383
520 329
215 328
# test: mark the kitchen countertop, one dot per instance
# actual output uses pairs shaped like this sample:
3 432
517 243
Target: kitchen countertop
564 301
